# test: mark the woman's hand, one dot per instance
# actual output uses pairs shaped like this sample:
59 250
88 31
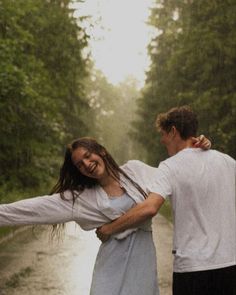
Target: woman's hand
201 142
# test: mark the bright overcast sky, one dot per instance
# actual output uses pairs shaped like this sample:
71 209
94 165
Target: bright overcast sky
120 37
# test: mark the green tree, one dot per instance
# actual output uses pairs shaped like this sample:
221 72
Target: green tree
192 58
42 96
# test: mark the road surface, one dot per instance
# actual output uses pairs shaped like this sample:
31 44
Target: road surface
31 264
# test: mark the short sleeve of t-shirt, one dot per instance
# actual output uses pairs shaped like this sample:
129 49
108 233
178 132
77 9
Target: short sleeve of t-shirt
161 182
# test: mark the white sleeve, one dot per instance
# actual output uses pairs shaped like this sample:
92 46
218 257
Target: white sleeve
50 209
160 182
140 172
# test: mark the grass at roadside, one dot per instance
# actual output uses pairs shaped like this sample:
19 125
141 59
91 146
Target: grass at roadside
166 211
5 231
14 280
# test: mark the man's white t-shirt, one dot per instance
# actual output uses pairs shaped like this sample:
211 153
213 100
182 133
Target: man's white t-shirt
201 187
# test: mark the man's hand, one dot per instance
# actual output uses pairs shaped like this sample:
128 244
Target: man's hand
132 218
201 142
101 234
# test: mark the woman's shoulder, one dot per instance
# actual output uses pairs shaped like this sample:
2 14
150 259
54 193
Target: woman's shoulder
70 195
136 166
88 195
139 171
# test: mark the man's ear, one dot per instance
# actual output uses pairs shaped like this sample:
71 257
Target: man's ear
173 131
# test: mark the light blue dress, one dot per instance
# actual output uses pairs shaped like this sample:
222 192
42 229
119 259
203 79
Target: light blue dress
127 266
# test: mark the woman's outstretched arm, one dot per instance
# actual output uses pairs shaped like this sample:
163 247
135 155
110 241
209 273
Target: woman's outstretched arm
50 209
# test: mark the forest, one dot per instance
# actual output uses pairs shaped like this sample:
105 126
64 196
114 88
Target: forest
193 61
51 93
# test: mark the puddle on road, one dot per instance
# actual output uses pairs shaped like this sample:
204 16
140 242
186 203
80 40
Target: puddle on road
31 264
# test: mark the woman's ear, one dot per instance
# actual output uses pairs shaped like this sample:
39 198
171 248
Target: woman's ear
103 153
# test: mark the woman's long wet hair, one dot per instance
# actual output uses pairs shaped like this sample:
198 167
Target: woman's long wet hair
72 179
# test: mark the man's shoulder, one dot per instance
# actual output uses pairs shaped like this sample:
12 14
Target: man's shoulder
220 156
192 154
226 156
171 160
183 156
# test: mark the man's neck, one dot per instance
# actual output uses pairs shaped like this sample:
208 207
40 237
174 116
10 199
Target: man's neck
184 144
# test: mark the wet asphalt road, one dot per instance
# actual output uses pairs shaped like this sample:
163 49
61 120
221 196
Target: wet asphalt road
31 264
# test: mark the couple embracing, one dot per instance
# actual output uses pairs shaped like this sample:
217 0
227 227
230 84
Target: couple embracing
120 201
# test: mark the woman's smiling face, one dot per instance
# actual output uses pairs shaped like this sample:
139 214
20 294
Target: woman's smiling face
89 163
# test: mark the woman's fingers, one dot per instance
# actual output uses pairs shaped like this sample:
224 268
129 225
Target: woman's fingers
201 142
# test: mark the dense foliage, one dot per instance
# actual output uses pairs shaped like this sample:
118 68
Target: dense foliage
42 72
193 61
50 92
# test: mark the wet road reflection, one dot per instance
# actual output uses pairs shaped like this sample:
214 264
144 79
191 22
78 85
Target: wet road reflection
32 265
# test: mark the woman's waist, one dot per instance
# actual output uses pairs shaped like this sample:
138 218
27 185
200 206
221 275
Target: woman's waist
146 227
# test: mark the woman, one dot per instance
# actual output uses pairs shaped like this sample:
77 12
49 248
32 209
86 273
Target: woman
93 190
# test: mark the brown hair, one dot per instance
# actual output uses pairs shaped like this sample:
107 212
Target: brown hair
72 179
183 118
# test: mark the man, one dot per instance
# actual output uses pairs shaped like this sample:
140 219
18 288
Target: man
201 187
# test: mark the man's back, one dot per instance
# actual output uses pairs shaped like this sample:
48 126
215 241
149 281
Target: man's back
201 185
